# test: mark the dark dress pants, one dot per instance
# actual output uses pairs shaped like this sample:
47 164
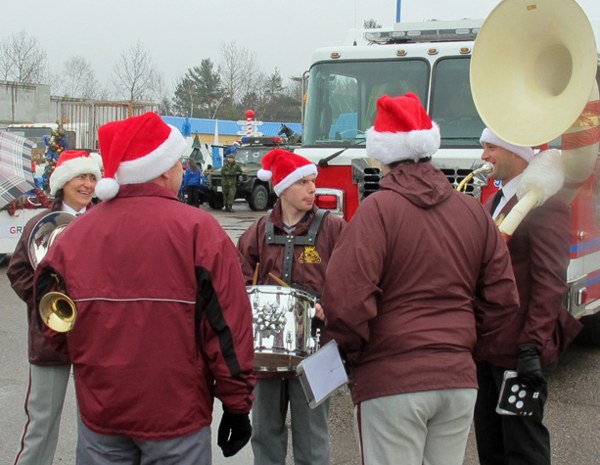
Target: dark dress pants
193 193
507 439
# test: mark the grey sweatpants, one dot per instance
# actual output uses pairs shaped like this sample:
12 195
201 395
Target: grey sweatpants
43 406
310 433
104 449
424 428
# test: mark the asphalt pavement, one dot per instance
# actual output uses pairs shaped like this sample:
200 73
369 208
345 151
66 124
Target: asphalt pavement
572 411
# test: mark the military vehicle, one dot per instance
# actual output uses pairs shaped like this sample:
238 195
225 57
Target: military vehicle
259 194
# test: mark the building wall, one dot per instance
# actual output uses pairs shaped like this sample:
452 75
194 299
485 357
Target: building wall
24 103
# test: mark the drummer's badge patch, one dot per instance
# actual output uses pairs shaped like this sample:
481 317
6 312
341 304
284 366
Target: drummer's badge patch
309 255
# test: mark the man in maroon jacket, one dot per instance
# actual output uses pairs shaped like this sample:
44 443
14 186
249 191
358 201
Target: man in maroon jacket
417 276
293 243
539 251
164 324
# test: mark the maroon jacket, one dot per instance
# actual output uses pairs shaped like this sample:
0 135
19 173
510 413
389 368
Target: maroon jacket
164 322
539 251
308 274
20 273
402 284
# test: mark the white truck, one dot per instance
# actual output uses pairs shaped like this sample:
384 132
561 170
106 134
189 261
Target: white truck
432 60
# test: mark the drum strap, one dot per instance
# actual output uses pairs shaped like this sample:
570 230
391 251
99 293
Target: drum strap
289 241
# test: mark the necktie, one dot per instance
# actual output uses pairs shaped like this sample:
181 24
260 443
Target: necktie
496 201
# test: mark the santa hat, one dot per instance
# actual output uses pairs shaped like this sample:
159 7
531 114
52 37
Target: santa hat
402 131
526 153
136 150
284 168
71 164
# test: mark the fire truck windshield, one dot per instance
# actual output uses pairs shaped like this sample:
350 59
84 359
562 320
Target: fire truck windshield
342 98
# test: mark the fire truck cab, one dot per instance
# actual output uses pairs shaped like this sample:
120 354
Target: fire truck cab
432 60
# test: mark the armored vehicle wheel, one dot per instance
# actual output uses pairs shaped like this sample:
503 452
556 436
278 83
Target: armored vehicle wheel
259 198
215 200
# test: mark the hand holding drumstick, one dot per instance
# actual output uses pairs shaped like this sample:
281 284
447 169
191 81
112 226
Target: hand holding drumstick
318 308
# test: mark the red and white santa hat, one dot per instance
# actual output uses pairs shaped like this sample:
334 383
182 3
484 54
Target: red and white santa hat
136 150
402 131
284 168
71 164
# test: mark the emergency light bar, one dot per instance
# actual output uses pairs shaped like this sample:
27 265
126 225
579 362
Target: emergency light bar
253 140
435 31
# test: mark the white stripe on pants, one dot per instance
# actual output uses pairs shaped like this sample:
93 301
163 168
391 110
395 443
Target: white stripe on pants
421 428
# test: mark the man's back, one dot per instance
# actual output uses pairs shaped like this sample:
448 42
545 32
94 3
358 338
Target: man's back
430 252
144 351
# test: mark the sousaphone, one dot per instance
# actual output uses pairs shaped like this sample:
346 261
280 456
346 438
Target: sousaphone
532 69
533 73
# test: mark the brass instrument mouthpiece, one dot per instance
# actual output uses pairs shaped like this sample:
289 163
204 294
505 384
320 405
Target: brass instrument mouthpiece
486 168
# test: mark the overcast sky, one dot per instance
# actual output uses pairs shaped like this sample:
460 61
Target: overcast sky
180 33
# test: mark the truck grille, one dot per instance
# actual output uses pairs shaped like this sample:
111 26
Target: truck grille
370 182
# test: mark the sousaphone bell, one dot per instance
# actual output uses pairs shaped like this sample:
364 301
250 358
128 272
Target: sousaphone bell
57 310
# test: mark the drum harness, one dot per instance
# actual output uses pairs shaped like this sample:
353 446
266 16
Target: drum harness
289 241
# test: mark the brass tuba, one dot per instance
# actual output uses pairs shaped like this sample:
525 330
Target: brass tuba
532 73
57 309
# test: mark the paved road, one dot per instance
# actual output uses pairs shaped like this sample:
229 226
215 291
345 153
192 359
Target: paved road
573 410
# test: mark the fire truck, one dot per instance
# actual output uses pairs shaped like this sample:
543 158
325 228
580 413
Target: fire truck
432 60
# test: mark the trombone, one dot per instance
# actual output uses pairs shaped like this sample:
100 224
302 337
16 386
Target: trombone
57 310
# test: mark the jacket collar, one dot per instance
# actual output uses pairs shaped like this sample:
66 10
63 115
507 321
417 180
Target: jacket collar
144 190
301 228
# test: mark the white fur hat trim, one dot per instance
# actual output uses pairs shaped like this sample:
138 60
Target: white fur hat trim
390 147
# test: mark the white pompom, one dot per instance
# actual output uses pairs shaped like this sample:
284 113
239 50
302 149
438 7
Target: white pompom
264 175
545 173
107 188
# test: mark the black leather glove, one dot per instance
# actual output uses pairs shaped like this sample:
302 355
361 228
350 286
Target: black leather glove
529 367
234 432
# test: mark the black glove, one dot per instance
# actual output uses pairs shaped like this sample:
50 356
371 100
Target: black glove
529 367
234 432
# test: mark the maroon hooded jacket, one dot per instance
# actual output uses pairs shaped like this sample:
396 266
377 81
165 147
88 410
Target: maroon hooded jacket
417 276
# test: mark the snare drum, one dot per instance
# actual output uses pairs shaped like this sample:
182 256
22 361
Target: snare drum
281 318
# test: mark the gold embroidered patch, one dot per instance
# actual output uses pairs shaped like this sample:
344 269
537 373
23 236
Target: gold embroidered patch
309 255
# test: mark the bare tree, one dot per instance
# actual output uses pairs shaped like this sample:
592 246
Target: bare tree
135 76
78 79
239 72
371 24
22 59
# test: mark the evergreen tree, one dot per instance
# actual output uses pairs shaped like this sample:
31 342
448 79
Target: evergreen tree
197 93
55 145
209 87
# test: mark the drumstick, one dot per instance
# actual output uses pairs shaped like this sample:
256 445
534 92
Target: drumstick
255 277
278 281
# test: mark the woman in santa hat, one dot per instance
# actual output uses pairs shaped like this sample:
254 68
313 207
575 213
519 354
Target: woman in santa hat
72 183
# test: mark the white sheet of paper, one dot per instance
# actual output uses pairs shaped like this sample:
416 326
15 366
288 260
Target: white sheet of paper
322 373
